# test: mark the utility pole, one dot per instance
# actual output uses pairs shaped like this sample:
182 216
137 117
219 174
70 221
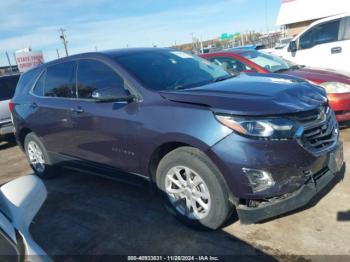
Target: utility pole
14 57
193 44
202 49
64 38
8 59
58 54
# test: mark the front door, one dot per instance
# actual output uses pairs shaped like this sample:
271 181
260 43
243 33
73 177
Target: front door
104 132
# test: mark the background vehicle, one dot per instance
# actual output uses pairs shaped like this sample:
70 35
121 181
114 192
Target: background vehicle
184 123
324 44
20 200
7 90
337 85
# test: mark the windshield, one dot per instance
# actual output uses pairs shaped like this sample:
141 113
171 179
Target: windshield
270 62
170 69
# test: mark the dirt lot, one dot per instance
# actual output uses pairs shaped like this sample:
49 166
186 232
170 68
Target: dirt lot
87 215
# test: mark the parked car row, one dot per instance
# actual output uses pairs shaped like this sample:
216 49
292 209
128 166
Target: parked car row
250 61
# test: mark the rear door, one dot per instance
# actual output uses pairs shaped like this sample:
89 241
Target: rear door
104 133
49 112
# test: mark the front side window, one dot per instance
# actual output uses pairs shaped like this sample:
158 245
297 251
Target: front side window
306 40
96 79
170 69
60 80
327 32
230 64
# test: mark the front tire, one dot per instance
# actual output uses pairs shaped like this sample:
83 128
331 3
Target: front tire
193 188
37 157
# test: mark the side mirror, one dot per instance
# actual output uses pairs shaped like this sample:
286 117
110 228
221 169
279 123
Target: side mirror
109 92
112 95
292 46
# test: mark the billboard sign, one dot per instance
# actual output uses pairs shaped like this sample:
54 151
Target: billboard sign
28 60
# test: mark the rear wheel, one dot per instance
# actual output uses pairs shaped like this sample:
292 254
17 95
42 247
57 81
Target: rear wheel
193 188
38 157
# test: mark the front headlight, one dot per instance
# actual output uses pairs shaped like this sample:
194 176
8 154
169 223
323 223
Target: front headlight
335 87
269 128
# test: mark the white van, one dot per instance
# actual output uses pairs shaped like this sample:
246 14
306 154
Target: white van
325 43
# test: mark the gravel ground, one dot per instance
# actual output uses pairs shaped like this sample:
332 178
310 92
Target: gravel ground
88 215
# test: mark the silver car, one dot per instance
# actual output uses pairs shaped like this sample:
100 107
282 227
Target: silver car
7 90
20 200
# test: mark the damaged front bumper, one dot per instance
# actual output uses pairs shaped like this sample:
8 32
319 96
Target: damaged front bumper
263 210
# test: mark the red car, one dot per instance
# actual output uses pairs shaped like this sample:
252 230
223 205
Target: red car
248 60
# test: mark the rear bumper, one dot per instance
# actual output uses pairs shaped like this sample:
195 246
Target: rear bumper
6 129
300 198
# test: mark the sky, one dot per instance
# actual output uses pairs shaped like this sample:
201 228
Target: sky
110 24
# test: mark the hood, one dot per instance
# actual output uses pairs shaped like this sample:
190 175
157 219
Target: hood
319 76
256 94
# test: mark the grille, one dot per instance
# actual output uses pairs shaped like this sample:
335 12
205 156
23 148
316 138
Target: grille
320 130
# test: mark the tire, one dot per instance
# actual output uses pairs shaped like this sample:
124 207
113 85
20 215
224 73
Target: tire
43 167
213 208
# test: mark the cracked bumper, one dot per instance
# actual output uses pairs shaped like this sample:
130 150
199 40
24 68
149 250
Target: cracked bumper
298 199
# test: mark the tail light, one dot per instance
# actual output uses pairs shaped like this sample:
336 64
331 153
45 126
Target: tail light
11 106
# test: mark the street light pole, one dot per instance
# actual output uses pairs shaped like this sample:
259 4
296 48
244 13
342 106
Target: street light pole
64 39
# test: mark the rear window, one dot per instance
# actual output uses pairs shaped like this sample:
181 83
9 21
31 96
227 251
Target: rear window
26 81
8 87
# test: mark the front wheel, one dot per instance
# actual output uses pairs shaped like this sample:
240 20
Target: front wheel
38 157
193 188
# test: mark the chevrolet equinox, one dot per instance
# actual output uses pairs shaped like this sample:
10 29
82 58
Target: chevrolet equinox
262 145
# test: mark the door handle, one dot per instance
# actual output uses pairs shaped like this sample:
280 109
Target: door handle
336 50
77 110
34 105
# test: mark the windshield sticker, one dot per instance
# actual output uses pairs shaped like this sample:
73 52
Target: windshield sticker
181 54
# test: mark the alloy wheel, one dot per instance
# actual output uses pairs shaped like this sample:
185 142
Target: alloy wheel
188 192
36 157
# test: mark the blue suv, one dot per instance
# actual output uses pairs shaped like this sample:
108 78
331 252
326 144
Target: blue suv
261 145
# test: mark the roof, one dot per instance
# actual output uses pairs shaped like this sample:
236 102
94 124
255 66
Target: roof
294 11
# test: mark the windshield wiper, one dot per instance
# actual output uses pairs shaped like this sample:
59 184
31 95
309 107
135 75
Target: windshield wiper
223 78
282 70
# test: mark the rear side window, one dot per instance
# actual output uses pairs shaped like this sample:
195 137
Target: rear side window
8 87
40 85
347 28
94 75
60 80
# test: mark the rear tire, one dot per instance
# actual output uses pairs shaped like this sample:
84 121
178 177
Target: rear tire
193 188
38 158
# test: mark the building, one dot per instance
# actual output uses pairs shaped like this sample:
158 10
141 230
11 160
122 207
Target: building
296 15
6 70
